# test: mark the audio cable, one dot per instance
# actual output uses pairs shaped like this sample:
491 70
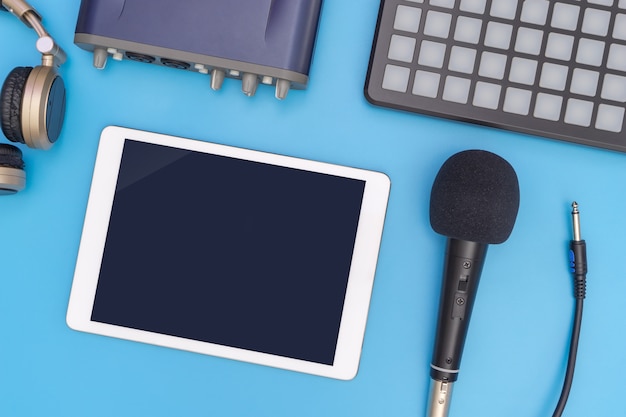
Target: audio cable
578 267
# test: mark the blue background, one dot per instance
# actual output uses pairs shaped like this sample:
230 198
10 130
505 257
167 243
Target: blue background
515 354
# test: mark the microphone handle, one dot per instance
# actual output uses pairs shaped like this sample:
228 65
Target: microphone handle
463 265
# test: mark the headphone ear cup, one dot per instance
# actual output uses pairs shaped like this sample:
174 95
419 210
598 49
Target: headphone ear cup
33 106
11 98
43 107
12 174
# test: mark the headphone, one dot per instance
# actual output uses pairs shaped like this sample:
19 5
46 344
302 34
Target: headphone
32 101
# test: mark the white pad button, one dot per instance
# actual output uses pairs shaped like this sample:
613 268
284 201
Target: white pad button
401 48
474 6
498 35
396 78
449 4
565 16
487 95
456 89
617 57
614 88
523 71
426 84
596 22
610 118
432 54
619 30
590 52
462 59
467 29
505 9
578 112
535 11
548 106
492 65
585 82
407 19
559 46
437 24
553 76
517 101
529 41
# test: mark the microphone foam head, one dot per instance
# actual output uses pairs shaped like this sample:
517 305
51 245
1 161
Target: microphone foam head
475 197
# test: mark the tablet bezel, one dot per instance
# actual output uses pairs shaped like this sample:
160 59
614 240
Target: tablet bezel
360 280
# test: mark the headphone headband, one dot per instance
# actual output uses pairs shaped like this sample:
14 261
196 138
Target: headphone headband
21 9
53 54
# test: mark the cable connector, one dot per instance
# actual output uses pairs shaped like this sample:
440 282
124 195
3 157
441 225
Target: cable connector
578 256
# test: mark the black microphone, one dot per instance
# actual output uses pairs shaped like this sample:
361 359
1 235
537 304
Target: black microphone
474 202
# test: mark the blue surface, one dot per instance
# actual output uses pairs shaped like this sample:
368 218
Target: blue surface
515 354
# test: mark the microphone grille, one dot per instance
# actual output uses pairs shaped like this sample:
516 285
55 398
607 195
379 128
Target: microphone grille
475 197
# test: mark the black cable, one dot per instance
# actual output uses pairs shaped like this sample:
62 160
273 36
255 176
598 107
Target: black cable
571 362
578 264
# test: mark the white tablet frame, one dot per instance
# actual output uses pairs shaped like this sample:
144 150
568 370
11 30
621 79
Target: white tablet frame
360 281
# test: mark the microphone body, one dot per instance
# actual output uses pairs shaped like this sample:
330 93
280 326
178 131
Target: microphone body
462 269
474 203
463 265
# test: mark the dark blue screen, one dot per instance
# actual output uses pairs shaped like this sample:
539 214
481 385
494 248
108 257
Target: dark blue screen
228 251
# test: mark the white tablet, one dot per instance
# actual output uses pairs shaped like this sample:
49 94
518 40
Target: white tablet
229 252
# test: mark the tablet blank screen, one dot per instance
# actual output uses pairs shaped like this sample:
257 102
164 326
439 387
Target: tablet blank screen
228 251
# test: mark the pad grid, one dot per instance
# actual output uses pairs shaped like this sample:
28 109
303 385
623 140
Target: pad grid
550 68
